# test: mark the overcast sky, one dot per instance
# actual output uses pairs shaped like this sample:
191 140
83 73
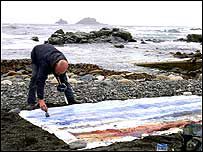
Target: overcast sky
182 13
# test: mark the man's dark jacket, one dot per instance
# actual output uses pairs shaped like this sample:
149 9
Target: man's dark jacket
45 56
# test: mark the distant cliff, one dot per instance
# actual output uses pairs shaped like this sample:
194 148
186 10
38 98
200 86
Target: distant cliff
88 20
61 21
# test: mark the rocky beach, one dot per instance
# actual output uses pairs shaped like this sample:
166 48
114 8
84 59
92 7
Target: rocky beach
104 65
91 84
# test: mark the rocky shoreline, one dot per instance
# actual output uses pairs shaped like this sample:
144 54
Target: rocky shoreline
91 84
107 35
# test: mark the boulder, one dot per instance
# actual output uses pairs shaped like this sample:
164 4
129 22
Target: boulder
132 40
194 38
60 31
195 29
123 34
143 42
35 38
56 40
119 45
115 39
155 40
180 55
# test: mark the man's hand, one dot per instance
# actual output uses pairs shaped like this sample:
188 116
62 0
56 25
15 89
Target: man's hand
42 105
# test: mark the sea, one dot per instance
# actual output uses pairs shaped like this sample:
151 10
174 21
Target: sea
16 43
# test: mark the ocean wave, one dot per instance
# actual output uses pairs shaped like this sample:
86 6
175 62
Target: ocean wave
10 26
172 31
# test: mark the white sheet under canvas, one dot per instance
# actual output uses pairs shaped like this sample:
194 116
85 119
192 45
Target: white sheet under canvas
67 121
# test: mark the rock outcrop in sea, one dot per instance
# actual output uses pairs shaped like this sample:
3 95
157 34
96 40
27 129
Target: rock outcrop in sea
192 38
61 21
114 35
88 21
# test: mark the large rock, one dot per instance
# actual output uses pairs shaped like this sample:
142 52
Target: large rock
123 34
119 45
194 38
113 35
35 38
56 40
60 31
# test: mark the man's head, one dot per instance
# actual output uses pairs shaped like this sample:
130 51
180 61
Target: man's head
61 67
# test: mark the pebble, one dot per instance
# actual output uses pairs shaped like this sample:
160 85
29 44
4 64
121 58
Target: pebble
21 83
187 93
100 77
200 77
6 82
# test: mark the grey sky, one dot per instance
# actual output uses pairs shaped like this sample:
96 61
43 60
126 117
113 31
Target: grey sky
164 13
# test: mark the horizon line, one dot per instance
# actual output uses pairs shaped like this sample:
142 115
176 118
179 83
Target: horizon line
102 24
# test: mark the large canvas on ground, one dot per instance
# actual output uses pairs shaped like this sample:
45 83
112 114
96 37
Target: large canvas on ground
106 122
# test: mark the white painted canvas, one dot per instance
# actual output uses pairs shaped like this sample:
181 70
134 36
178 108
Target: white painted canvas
104 123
